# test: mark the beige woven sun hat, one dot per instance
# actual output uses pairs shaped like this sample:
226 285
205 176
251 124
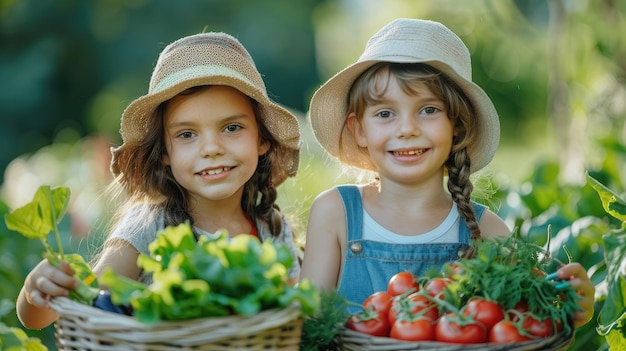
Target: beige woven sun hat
213 59
404 41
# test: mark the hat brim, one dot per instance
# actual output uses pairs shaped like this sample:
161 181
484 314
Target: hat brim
328 112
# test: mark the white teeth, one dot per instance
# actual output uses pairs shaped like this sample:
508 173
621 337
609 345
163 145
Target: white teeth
408 153
215 171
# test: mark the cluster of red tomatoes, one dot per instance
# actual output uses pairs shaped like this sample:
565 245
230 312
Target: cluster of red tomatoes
415 309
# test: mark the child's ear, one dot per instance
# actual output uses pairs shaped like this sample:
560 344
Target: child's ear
355 127
455 132
166 159
263 147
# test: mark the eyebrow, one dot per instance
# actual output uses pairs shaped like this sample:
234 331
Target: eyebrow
225 120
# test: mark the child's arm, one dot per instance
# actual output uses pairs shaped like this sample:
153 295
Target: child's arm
42 283
326 229
120 256
578 278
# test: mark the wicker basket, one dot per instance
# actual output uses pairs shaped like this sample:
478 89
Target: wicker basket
349 340
81 328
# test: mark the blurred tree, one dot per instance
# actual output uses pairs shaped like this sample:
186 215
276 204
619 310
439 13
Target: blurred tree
70 67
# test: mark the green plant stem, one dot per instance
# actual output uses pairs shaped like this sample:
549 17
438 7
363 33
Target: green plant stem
55 229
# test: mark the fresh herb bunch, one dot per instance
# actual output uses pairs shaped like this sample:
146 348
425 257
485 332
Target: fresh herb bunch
320 329
510 271
215 276
37 219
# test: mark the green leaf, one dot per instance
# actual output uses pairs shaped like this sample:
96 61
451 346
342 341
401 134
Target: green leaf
10 337
616 340
613 314
33 344
15 339
6 306
122 288
40 216
170 241
27 220
82 270
306 294
61 198
88 287
612 203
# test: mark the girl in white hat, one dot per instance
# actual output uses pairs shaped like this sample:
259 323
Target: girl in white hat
205 145
408 111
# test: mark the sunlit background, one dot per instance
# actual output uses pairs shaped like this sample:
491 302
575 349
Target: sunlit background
555 70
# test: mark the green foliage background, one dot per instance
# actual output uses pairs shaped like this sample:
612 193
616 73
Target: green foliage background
69 68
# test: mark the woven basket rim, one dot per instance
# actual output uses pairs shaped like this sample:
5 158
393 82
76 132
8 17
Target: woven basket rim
353 340
193 331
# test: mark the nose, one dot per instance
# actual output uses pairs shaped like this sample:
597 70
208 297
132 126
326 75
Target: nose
408 126
211 145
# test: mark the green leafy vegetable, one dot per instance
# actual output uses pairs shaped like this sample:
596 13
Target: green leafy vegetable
37 219
15 339
612 317
216 276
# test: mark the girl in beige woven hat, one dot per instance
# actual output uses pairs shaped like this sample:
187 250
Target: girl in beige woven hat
205 145
409 112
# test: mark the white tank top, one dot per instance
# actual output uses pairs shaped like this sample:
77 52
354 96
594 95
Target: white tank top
446 232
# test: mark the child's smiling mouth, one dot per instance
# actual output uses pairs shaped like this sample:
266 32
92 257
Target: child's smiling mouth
214 171
414 152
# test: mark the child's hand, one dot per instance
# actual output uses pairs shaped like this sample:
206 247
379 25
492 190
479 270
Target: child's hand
46 281
577 276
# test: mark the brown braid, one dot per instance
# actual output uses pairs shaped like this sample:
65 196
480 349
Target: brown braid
259 197
460 187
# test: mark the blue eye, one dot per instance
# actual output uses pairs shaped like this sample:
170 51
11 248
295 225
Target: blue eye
231 128
384 114
430 110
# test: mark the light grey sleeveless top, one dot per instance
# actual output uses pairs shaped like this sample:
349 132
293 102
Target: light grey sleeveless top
141 233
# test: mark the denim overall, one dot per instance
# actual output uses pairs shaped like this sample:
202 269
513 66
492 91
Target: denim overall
369 265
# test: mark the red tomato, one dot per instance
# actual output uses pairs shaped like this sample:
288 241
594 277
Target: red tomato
421 329
411 305
484 311
521 307
449 329
379 301
506 332
536 327
370 322
436 286
401 283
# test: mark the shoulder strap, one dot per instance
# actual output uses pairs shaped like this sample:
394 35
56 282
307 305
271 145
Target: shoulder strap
464 232
354 210
478 210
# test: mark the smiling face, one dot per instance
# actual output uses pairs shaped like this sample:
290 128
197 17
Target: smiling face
212 142
406 132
